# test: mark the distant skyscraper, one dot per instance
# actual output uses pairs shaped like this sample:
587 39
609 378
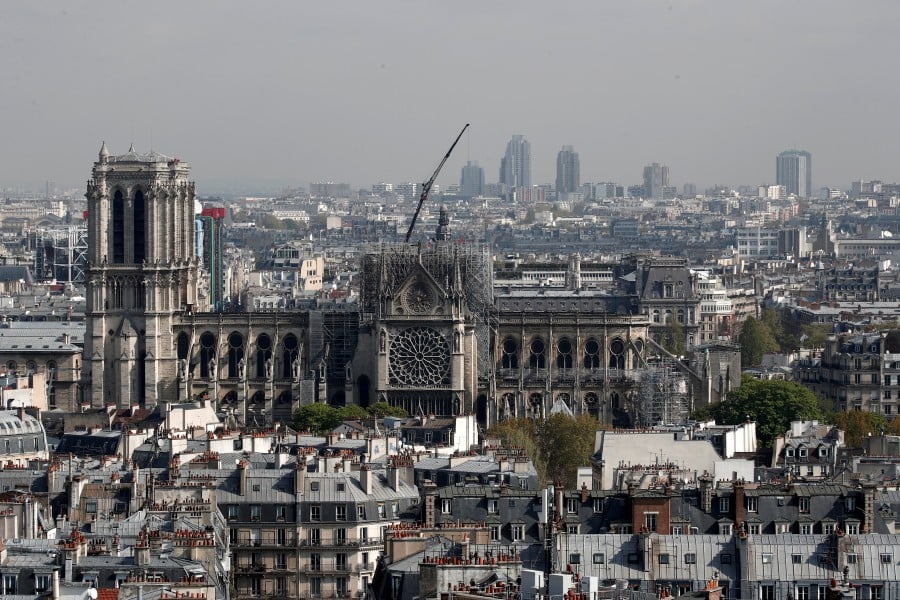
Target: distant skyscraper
515 166
471 182
656 177
793 170
568 176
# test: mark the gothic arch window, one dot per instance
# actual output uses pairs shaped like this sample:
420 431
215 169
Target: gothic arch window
617 354
592 354
510 354
507 406
51 383
289 354
139 227
263 354
182 346
537 360
592 402
536 404
564 353
30 367
207 353
565 398
118 228
236 364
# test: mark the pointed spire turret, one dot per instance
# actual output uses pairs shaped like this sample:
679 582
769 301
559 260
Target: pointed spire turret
104 152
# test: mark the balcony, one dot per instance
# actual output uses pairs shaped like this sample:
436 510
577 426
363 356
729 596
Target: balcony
264 542
341 543
328 566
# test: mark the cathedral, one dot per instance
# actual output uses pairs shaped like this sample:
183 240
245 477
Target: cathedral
432 332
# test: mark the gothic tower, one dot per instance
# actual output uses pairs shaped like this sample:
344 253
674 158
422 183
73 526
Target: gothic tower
141 277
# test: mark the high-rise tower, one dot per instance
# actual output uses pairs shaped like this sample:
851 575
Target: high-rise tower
471 181
142 276
656 177
793 169
568 176
515 166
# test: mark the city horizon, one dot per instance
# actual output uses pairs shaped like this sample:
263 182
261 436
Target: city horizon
306 93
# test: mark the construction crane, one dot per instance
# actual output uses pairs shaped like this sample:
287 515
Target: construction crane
426 187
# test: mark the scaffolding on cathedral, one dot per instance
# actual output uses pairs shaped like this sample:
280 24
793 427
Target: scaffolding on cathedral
386 266
662 396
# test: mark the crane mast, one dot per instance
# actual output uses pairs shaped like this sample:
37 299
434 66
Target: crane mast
426 187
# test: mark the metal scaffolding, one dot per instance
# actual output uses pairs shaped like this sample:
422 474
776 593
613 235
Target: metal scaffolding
60 253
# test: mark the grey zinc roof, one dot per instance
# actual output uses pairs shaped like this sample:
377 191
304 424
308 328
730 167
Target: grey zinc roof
34 343
773 557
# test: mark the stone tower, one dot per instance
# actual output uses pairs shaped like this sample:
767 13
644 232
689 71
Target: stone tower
141 277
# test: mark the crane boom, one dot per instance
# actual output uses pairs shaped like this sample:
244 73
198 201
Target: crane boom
426 187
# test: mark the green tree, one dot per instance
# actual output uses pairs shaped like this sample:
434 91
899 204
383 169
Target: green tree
353 412
755 339
566 443
773 404
317 418
859 424
815 334
521 433
383 409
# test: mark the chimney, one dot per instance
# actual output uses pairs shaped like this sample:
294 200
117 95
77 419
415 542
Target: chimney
706 493
55 585
346 463
393 477
584 493
365 479
21 413
739 504
430 500
868 506
243 467
299 475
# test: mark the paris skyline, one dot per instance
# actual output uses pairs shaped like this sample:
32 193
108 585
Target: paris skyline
307 92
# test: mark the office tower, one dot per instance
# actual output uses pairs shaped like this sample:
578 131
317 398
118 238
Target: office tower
471 181
656 177
515 166
568 177
793 169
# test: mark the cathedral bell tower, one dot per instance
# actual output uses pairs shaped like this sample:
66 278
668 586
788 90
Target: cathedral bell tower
141 277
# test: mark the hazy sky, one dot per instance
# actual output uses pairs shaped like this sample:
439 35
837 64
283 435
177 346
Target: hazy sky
284 93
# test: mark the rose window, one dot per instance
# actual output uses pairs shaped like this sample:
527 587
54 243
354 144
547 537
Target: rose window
420 357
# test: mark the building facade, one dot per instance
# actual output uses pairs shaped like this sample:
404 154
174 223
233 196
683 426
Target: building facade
515 166
568 171
793 170
471 181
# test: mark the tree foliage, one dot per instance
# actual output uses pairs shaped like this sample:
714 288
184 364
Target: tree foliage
557 445
756 339
857 425
383 409
320 418
773 404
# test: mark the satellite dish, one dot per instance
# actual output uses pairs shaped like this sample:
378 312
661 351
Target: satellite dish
92 593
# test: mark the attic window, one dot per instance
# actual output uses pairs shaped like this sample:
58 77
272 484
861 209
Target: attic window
314 486
255 487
